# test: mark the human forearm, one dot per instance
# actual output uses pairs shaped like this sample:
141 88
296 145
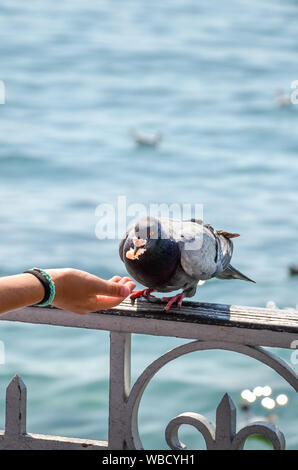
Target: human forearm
75 290
19 291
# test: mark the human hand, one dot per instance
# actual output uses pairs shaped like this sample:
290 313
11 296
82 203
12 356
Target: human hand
82 292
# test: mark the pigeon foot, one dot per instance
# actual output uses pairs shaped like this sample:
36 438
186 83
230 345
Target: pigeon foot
171 300
142 293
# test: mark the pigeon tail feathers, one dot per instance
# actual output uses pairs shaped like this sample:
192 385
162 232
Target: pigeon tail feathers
232 273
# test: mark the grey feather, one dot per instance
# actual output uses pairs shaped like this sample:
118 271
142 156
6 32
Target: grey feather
232 273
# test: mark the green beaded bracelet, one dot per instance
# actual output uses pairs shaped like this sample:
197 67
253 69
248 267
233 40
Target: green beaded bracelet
47 283
52 289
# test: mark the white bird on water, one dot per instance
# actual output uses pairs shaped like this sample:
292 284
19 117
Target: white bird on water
145 140
282 98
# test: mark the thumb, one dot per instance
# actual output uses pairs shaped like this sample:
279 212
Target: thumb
113 289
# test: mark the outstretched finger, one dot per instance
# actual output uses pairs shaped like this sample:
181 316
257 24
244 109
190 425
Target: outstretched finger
111 288
125 280
115 279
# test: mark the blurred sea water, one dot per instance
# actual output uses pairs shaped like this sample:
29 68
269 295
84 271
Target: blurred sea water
79 77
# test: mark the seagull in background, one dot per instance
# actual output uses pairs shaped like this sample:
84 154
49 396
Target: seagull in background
147 141
282 98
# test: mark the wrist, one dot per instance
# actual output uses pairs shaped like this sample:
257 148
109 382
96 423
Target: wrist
59 276
29 289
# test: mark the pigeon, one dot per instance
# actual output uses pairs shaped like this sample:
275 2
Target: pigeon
166 255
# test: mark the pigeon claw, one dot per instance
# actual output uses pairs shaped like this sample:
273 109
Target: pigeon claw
142 293
171 300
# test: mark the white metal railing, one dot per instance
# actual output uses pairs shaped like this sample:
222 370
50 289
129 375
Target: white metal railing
209 326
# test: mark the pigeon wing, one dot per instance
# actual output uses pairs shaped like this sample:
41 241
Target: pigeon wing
198 248
225 251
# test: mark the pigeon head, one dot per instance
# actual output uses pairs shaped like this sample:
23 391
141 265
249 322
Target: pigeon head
150 255
144 237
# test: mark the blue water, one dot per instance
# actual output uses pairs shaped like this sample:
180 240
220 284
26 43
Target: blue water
79 77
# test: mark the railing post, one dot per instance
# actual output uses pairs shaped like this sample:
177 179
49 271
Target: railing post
16 398
120 358
225 430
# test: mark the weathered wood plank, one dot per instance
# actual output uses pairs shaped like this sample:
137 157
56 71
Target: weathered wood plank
219 314
195 320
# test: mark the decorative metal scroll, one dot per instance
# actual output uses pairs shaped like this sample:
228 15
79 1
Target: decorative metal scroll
125 401
223 435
